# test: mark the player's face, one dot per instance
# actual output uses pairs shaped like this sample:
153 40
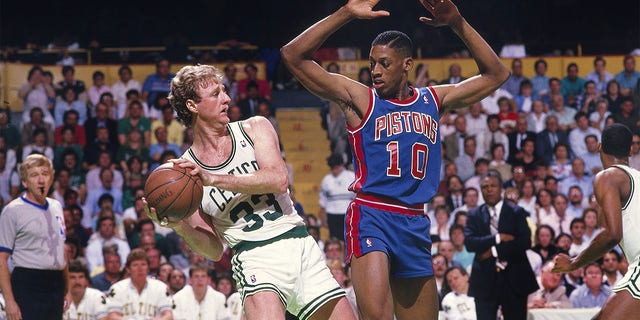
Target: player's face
37 183
224 286
177 279
457 281
138 271
77 282
199 279
214 103
388 70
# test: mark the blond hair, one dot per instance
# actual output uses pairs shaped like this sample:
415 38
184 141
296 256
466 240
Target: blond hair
33 161
185 86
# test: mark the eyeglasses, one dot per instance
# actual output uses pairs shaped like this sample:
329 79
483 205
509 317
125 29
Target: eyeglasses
518 171
438 263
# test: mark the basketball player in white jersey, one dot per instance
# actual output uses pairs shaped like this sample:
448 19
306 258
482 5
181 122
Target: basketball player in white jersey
615 188
87 303
277 265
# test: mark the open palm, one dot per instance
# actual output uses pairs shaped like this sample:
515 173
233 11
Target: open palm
444 12
363 9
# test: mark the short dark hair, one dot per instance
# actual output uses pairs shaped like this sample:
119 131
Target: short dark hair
78 267
97 74
396 40
66 69
123 68
574 221
335 160
616 140
495 174
539 61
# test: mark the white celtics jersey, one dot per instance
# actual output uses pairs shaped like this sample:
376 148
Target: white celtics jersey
630 243
92 306
245 217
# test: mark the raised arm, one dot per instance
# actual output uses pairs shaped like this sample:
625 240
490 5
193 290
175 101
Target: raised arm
492 71
350 95
611 189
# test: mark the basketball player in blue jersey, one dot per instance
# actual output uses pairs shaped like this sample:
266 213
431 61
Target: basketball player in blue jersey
615 188
396 144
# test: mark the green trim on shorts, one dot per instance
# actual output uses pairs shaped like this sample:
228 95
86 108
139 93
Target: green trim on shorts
296 232
630 286
262 287
318 302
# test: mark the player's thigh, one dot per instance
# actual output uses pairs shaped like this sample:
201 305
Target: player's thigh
264 305
315 286
370 278
415 298
338 309
620 305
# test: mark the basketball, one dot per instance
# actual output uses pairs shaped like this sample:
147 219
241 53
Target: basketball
173 192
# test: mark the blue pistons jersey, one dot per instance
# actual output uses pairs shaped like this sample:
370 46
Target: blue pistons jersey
396 148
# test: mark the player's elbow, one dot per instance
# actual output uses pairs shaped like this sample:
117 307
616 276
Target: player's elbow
282 184
286 54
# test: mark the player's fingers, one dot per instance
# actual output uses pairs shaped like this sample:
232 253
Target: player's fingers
427 21
380 13
427 4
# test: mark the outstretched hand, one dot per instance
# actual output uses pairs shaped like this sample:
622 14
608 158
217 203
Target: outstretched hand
363 9
444 13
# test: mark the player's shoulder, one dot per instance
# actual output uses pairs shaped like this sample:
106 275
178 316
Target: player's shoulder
156 284
93 294
216 294
255 124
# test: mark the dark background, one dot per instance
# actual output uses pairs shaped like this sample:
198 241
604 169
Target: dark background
601 27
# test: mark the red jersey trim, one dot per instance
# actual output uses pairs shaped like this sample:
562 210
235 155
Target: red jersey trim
388 204
435 96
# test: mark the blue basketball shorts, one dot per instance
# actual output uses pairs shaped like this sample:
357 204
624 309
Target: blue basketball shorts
374 223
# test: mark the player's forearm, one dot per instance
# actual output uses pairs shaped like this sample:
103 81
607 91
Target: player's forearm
201 241
267 180
303 46
600 245
489 65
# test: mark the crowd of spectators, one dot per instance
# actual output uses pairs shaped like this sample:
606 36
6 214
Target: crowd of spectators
541 134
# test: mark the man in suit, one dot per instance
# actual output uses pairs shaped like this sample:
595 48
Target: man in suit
548 138
455 142
517 137
249 104
501 275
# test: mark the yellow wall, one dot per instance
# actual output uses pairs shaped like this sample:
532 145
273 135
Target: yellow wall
14 75
439 68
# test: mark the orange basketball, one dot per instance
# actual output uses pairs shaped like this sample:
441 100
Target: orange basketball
173 192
